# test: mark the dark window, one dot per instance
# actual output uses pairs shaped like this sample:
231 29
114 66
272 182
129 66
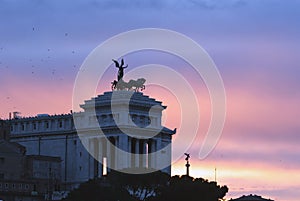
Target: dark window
47 125
23 127
2 160
1 175
75 142
34 126
60 124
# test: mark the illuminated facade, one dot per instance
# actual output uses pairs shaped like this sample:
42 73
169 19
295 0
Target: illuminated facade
132 126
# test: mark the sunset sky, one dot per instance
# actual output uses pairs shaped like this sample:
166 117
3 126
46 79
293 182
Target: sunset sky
254 44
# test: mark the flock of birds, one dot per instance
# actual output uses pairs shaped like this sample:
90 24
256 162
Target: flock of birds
33 64
43 60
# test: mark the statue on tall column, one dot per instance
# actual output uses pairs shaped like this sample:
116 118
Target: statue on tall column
121 68
187 165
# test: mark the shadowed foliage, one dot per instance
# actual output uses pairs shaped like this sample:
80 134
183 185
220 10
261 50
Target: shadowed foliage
98 190
188 188
155 186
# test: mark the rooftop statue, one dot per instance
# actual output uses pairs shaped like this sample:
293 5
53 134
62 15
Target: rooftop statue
187 156
121 68
120 84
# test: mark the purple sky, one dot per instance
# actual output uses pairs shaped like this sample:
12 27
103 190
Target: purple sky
255 45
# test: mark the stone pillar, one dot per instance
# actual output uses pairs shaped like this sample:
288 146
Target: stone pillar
129 151
30 125
115 152
100 157
96 154
151 153
41 126
56 126
158 154
136 152
144 153
63 124
25 127
121 153
104 153
91 159
108 155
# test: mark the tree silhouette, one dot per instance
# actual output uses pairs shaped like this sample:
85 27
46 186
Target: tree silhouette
140 186
188 188
98 190
155 186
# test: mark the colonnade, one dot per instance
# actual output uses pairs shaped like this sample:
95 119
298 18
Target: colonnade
121 152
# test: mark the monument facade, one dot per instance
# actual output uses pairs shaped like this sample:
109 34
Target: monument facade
131 136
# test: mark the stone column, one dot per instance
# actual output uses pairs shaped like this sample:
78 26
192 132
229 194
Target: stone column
108 155
144 153
121 153
129 151
96 157
104 153
91 159
159 157
100 157
151 153
63 124
136 152
115 152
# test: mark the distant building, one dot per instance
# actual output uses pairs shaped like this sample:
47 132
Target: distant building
15 183
250 198
4 130
45 171
55 136
12 160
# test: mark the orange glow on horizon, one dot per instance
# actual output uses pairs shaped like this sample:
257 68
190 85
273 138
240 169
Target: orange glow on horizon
242 179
